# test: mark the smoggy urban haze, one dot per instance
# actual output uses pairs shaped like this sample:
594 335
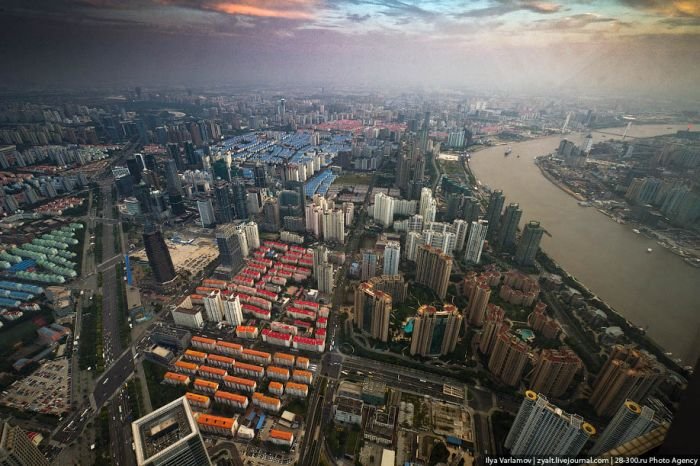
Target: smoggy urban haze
586 46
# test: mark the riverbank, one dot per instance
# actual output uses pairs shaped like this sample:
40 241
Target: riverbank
606 265
559 184
691 257
632 331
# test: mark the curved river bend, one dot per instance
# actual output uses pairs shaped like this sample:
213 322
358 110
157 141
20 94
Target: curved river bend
656 290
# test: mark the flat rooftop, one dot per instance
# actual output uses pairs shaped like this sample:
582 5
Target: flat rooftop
163 429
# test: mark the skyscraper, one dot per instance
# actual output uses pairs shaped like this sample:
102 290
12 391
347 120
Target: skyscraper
325 278
16 449
174 153
230 253
493 325
223 205
239 193
478 300
135 168
320 257
426 196
384 209
542 429
435 333
413 240
628 374
232 310
158 255
271 212
461 228
252 235
169 436
214 307
509 358
372 311
529 243
260 176
475 243
334 225
471 210
493 212
174 187
554 371
206 213
630 421
392 256
424 132
369 264
433 269
394 285
509 226
298 188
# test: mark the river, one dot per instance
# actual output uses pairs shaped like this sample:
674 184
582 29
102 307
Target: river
657 291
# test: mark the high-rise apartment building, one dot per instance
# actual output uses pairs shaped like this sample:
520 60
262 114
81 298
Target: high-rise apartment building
543 429
529 243
426 196
159 259
475 243
369 265
461 228
433 269
628 374
230 253
478 300
320 257
509 358
232 310
325 278
554 371
630 421
242 241
334 225
16 449
392 256
169 436
509 226
394 285
471 210
493 212
414 239
435 333
214 306
384 209
494 324
252 235
372 311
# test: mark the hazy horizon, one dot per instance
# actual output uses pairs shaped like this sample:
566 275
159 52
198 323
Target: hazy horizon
631 47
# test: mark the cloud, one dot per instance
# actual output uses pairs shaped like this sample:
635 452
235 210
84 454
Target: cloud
674 8
355 18
680 22
294 9
579 21
504 7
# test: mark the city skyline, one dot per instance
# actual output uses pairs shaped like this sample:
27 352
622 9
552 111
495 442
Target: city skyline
589 47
